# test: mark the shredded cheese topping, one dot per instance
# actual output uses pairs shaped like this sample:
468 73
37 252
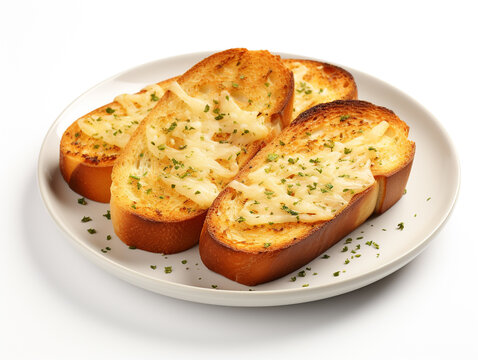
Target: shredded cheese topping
116 129
309 187
202 145
306 94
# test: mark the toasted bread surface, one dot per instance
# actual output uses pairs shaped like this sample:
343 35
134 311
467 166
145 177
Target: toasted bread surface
318 82
87 153
355 132
202 131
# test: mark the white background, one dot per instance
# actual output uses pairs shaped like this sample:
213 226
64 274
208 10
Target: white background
54 303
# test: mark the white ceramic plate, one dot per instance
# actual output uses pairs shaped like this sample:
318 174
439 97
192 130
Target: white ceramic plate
423 210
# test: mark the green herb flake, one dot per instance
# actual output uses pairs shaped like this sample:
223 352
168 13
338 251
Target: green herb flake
108 237
154 97
184 261
132 247
206 108
325 256
85 219
429 199
266 245
107 215
272 157
82 201
345 248
347 151
91 231
153 267
305 285
240 219
301 273
400 226
214 286
110 110
337 273
344 117
168 269
293 278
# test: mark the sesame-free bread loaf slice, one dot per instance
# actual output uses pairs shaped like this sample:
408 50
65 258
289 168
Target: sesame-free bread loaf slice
210 122
91 144
322 177
318 82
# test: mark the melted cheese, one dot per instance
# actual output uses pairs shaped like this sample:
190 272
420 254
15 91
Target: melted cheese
200 165
306 93
309 187
116 128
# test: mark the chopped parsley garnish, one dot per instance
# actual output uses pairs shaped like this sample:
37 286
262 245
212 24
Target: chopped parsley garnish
281 143
371 148
240 219
85 219
337 273
132 247
345 248
266 245
154 97
91 231
168 269
429 199
325 256
290 211
110 110
400 226
172 126
206 108
82 201
184 261
301 273
344 117
197 192
108 237
153 267
347 151
214 286
293 278
327 188
272 157
305 285
235 85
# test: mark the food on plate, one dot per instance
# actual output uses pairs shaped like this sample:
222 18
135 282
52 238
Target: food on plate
210 122
322 177
90 146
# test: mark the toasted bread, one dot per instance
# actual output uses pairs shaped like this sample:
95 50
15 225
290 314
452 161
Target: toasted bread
87 158
90 146
206 126
318 82
323 176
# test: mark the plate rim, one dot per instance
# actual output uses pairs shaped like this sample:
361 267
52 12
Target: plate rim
240 297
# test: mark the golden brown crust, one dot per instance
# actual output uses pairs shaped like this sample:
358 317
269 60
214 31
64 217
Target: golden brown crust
252 268
154 236
86 163
249 266
160 229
